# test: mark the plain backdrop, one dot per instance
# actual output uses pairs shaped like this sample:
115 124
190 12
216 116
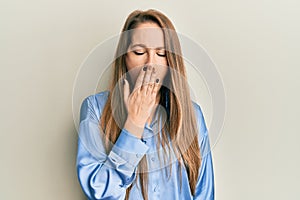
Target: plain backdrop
255 45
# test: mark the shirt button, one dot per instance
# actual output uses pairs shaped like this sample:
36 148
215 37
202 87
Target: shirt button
137 155
152 159
155 188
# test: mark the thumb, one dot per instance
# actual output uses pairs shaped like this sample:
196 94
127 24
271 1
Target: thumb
126 91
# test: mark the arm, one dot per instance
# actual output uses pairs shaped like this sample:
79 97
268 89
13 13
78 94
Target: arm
103 176
205 183
108 176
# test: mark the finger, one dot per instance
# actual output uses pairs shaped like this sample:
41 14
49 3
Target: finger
152 81
126 91
140 78
146 80
156 87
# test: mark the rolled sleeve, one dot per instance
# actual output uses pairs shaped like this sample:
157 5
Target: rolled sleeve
128 150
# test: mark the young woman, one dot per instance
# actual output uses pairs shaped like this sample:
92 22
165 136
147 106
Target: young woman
145 138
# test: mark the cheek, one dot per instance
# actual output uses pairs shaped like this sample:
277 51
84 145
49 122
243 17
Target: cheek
164 62
132 62
162 72
133 69
161 61
163 67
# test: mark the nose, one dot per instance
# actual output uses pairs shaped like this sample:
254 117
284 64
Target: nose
150 57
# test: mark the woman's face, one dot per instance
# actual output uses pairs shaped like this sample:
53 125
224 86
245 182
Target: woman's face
147 48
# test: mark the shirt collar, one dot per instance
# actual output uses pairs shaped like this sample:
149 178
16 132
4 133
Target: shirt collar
158 121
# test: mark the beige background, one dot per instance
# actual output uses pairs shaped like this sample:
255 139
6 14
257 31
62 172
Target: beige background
255 45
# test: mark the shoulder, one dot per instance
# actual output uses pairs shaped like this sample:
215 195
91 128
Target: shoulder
200 119
203 136
99 98
95 103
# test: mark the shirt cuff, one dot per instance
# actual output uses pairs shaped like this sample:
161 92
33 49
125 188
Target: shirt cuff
130 148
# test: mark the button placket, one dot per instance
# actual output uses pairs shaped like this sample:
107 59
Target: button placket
156 191
144 141
155 188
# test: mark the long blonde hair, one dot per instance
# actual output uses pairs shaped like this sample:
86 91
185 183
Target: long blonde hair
181 126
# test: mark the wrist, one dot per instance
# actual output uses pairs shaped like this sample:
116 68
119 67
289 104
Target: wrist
136 129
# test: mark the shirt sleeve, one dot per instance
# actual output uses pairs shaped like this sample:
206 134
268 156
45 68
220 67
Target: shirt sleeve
205 182
102 175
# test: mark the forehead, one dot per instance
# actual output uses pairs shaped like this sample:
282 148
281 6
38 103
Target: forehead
148 34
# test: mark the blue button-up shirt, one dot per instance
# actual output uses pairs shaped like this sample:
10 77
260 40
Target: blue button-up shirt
107 175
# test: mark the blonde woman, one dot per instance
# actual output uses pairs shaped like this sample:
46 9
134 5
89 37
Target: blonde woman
145 138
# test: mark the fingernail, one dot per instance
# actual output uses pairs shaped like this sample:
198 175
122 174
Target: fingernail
157 80
145 68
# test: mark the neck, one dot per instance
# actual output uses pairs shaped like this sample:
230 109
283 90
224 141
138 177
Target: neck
157 98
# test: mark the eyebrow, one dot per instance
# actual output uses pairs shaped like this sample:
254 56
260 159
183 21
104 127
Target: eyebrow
144 46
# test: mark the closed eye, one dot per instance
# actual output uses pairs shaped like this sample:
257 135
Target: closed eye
138 53
161 54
